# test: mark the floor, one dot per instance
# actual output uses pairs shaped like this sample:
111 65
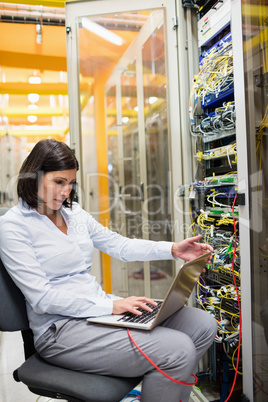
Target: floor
11 356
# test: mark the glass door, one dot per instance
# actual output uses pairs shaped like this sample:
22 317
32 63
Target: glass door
118 66
130 189
250 41
156 126
255 61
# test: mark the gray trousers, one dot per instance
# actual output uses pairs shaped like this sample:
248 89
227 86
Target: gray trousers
176 347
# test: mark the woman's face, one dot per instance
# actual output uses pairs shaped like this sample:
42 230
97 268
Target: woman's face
55 187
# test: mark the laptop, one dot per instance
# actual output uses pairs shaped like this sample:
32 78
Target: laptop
177 295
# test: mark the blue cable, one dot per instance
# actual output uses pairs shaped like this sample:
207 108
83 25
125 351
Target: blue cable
134 392
225 377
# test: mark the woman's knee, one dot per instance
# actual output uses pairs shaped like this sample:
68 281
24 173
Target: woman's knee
206 330
182 354
189 351
210 325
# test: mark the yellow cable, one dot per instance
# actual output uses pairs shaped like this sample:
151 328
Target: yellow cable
238 372
199 298
188 231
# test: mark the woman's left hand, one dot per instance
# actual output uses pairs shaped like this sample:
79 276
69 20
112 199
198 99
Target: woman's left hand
189 249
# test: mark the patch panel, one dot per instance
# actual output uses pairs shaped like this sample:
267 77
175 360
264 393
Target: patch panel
216 72
219 46
217 277
230 307
219 152
216 197
220 180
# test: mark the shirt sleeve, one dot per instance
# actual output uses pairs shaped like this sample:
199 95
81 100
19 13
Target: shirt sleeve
124 248
18 257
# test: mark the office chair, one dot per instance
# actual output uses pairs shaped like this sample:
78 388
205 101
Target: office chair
43 378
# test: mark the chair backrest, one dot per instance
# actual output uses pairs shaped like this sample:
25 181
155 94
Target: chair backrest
13 315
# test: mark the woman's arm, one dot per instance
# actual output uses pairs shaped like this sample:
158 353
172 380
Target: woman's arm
127 249
44 296
123 248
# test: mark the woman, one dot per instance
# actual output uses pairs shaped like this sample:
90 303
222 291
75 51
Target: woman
47 244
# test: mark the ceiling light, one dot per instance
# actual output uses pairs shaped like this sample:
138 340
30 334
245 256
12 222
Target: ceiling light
136 108
125 120
63 76
61 100
34 79
32 106
4 100
52 101
38 33
152 99
102 32
33 98
32 119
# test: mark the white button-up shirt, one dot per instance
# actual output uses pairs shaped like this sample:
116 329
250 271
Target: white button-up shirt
53 269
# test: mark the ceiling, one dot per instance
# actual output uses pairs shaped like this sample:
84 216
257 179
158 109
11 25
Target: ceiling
33 44
26 52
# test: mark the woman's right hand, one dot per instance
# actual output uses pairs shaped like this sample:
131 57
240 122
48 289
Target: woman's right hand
131 303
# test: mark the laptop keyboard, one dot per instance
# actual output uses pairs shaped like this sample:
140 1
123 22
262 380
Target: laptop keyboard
146 315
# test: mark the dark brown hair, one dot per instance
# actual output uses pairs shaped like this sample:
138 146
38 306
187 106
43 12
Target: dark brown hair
46 156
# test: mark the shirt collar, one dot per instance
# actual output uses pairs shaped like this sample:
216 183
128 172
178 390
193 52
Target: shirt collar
27 209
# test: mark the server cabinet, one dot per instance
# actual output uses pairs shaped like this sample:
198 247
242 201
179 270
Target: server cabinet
228 120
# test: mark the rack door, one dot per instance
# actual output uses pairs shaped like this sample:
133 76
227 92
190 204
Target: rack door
120 58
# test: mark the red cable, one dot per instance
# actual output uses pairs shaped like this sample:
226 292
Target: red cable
157 368
239 307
